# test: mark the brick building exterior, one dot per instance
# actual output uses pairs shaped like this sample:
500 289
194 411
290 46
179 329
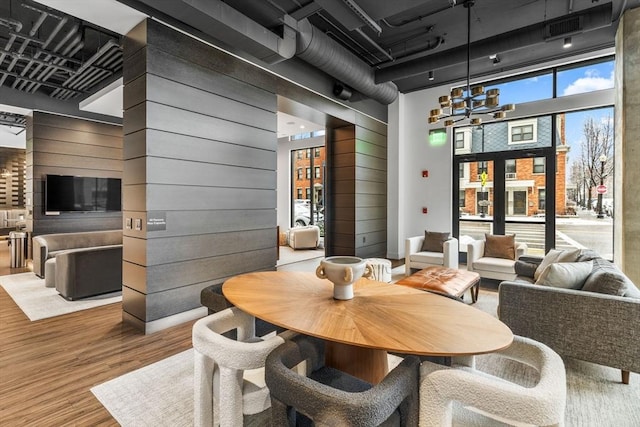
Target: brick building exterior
308 174
524 178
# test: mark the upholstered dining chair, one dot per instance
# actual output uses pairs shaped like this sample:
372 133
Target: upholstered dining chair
304 389
467 395
228 373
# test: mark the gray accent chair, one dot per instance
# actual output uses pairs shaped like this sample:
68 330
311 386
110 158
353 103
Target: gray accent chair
330 397
88 272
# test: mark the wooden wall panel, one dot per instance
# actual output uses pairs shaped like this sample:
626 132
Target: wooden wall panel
358 189
60 145
200 152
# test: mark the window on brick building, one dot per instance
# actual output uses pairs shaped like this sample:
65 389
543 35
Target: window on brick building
538 165
308 152
308 173
308 193
316 152
299 172
299 154
461 171
542 203
461 201
459 140
299 193
317 172
483 167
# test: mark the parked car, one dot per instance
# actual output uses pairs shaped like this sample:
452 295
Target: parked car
303 216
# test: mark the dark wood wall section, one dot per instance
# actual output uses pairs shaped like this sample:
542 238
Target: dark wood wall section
12 180
61 145
358 188
200 160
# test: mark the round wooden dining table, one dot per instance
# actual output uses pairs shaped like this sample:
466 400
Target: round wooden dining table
381 317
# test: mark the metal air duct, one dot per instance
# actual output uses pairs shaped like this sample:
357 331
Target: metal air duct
318 49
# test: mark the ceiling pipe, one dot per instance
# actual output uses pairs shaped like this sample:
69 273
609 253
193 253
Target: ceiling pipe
318 49
49 39
82 74
17 26
72 48
247 34
32 32
593 19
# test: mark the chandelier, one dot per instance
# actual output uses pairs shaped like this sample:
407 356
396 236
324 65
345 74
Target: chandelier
462 104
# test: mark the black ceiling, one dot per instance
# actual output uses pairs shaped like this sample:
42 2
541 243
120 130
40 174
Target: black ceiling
412 44
45 51
414 37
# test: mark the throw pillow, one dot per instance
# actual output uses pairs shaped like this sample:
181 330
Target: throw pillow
434 241
608 279
554 255
567 275
500 246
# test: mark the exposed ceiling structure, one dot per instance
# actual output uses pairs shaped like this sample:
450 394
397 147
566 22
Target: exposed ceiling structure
370 48
378 48
45 51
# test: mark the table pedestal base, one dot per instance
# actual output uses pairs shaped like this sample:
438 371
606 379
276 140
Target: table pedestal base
365 363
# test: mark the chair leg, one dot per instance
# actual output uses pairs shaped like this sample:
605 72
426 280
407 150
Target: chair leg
625 377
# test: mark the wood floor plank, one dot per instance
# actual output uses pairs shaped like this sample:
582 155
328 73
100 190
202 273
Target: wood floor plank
48 367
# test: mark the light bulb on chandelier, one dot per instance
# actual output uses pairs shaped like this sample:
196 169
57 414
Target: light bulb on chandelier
461 104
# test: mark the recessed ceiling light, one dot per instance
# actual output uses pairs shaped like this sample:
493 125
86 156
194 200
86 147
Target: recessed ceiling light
301 126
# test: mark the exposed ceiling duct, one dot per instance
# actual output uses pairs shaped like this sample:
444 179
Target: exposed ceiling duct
320 50
45 51
589 20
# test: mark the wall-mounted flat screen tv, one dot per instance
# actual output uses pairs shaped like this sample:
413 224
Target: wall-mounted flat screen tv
64 193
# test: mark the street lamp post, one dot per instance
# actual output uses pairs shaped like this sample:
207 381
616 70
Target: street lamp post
603 160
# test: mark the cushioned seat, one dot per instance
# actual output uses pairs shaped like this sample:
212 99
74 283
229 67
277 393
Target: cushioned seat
330 397
495 260
229 374
50 273
440 250
304 237
468 396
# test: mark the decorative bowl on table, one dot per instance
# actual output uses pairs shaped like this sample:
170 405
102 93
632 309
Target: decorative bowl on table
343 271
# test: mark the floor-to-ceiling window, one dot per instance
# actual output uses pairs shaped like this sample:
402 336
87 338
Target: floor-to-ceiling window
308 183
547 178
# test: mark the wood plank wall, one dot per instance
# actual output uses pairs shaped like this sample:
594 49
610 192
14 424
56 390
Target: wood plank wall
60 145
200 152
358 189
13 187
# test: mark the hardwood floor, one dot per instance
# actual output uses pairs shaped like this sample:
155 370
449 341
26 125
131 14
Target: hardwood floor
47 367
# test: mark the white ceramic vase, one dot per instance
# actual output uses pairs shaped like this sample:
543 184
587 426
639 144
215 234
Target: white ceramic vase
343 271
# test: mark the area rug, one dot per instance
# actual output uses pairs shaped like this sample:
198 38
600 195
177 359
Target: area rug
39 302
161 394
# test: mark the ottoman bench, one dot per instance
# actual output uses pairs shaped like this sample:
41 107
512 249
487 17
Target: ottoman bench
448 281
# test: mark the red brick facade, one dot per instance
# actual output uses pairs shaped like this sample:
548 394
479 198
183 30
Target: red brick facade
303 172
519 203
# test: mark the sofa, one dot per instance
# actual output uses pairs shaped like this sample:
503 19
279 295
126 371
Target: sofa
596 320
492 265
79 264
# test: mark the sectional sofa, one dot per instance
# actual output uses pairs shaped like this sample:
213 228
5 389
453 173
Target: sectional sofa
80 264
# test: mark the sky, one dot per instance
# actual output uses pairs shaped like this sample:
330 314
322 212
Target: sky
572 81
